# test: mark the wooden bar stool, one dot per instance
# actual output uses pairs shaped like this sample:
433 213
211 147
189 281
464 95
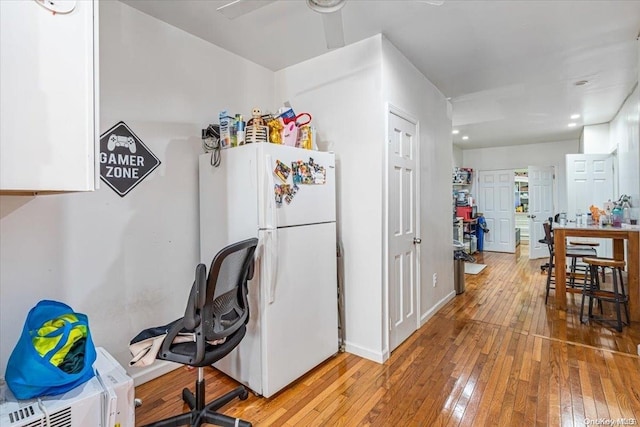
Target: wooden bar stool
571 252
592 291
585 244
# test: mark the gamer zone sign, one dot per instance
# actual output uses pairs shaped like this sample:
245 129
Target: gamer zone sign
124 159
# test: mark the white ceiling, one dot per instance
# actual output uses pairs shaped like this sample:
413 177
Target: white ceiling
509 67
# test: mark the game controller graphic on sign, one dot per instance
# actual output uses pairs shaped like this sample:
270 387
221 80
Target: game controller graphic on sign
124 159
121 141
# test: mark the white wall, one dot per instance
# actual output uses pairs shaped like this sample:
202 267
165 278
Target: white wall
342 89
625 135
521 156
406 88
595 139
128 262
457 157
348 100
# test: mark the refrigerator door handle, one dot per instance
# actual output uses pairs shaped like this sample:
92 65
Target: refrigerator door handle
270 257
270 214
270 245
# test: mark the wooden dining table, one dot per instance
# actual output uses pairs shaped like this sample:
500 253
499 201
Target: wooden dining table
630 233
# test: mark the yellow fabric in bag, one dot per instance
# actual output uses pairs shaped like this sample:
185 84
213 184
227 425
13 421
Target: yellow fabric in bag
44 344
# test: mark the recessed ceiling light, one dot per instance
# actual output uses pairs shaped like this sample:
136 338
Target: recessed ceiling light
465 137
455 131
575 116
581 82
572 125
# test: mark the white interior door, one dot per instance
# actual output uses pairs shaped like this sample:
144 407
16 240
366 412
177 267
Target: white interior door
496 199
402 230
540 207
590 182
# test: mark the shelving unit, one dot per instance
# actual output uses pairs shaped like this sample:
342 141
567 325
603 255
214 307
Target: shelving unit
470 236
522 207
522 193
462 176
462 179
522 223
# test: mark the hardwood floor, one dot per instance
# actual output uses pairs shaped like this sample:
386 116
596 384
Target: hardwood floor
495 355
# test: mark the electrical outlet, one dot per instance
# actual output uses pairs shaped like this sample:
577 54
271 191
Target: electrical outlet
638 349
435 279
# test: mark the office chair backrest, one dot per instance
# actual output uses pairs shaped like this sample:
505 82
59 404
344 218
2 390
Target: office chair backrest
226 307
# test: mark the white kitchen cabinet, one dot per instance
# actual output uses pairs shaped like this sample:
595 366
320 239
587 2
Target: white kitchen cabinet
48 97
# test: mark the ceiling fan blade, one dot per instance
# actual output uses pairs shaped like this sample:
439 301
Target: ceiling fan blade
333 29
236 8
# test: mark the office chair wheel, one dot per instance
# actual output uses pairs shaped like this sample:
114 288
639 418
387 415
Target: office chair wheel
244 395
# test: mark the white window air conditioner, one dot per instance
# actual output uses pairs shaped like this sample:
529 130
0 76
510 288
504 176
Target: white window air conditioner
107 400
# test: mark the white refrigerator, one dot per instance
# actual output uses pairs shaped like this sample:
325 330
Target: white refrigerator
285 196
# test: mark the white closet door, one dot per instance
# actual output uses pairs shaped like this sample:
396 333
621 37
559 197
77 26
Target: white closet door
589 182
496 200
540 207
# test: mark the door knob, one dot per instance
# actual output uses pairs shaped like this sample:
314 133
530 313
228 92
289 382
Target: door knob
417 240
531 216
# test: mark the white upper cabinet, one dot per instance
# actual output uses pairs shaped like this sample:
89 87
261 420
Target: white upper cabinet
49 96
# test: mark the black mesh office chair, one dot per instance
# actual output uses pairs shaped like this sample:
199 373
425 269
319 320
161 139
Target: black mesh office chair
217 309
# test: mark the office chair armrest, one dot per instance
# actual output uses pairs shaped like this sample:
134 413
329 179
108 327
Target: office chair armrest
190 323
178 330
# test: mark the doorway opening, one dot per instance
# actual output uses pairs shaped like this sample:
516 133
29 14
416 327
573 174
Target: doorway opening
515 203
521 201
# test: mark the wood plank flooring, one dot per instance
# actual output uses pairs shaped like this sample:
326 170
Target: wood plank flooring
495 355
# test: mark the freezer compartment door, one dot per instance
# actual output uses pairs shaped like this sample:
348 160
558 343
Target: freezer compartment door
300 327
311 203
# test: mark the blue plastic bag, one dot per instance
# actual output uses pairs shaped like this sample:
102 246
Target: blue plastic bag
52 336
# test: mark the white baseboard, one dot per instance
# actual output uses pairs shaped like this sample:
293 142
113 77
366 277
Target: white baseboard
433 310
148 373
376 356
